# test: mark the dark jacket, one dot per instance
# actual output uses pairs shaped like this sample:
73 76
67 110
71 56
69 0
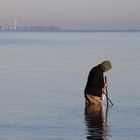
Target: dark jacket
95 82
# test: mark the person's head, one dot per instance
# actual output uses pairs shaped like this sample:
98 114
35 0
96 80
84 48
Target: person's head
106 65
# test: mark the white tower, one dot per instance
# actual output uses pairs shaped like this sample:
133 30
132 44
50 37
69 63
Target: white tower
15 25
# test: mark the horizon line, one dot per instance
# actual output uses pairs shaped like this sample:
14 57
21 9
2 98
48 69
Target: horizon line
72 30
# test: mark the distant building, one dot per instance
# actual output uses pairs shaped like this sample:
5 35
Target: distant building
14 27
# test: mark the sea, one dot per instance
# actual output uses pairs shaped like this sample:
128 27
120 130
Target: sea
42 81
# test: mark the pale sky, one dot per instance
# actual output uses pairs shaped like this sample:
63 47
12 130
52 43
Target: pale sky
80 14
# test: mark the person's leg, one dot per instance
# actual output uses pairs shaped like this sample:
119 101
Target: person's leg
94 100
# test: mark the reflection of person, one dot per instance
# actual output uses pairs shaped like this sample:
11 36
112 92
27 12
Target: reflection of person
95 83
95 122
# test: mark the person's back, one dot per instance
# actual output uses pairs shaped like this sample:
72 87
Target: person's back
95 82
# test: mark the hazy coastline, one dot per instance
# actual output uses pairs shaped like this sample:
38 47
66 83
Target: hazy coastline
57 29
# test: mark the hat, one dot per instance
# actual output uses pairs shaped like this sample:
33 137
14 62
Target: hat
106 65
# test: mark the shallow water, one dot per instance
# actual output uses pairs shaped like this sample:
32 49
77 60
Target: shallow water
42 79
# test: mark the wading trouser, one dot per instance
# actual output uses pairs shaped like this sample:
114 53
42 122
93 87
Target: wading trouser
92 100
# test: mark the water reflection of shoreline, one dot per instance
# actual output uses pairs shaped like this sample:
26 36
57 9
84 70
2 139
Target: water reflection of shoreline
95 119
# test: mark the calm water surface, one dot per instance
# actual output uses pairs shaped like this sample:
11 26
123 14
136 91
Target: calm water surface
42 79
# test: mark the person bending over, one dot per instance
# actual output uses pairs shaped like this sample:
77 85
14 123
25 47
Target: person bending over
95 83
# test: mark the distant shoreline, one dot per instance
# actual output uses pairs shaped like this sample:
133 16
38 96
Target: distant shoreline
102 30
69 30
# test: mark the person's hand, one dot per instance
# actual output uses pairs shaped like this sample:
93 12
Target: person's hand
105 85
